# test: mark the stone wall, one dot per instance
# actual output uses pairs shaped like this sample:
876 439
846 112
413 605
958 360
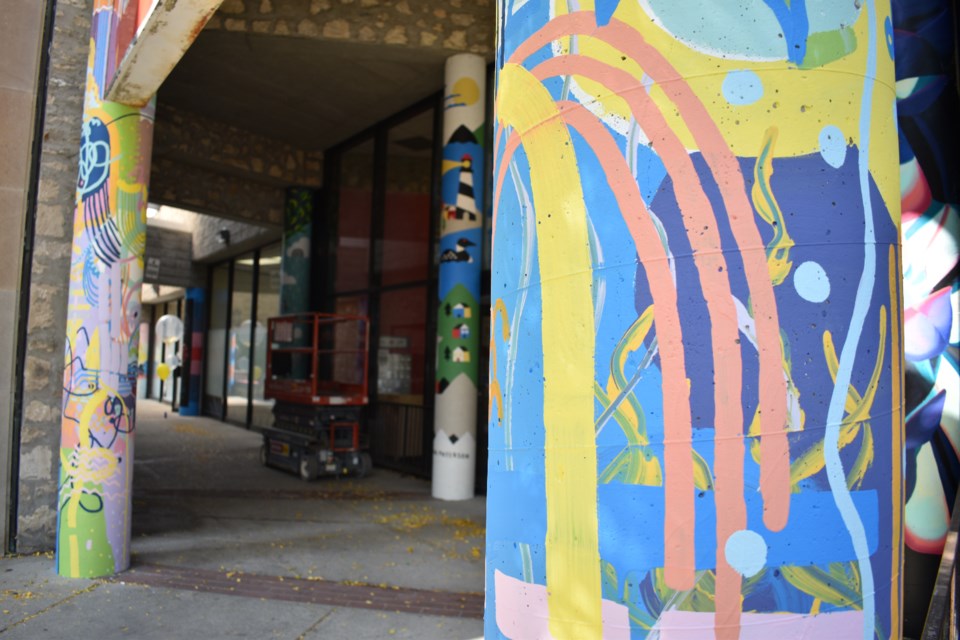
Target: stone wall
195 139
188 186
450 25
214 168
43 370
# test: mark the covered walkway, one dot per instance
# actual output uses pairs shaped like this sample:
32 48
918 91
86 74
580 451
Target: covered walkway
223 547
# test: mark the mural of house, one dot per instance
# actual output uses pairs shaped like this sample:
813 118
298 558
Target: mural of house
460 354
461 310
461 332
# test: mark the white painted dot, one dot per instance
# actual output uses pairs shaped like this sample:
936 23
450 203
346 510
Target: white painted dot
833 146
811 282
746 552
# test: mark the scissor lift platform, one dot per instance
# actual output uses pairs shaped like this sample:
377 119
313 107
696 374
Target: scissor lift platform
317 374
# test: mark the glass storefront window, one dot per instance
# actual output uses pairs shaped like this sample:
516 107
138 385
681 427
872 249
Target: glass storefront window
268 306
401 351
406 233
172 384
353 218
239 360
156 356
215 347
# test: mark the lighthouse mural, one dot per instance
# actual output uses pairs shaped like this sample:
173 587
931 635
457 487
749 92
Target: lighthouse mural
461 228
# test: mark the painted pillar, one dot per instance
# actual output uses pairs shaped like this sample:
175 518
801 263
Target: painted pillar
298 215
696 366
99 402
929 165
191 370
458 318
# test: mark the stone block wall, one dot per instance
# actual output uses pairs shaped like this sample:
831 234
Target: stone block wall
451 25
214 168
43 369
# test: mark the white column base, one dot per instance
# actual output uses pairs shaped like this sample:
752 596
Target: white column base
454 467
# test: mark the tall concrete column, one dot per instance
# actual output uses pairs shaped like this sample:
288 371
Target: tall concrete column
191 370
99 401
458 321
696 358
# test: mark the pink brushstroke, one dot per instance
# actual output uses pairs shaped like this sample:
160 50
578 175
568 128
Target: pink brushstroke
522 611
687 625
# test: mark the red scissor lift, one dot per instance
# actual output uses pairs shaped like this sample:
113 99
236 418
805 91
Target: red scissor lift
317 373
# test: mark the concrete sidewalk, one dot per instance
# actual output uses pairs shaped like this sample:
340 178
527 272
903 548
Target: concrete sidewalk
225 548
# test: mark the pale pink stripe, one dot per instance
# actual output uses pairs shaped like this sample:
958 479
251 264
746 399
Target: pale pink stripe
774 447
522 614
688 625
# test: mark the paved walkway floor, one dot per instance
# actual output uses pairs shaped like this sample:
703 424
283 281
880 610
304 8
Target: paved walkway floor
225 548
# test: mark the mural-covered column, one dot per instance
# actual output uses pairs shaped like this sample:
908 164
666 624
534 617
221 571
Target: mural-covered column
191 389
298 213
458 321
696 359
103 323
928 105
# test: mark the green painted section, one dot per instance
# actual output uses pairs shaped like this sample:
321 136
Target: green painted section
456 354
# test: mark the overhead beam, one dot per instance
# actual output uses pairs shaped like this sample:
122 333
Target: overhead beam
163 37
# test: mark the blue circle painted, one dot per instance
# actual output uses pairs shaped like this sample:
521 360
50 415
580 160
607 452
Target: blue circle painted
746 552
811 282
833 146
742 87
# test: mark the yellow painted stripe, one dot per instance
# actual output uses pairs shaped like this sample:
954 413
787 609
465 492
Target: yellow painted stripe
572 548
896 353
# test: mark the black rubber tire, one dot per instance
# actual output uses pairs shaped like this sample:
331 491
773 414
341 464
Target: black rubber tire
365 466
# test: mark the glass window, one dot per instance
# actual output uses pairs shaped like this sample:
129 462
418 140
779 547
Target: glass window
406 234
215 346
401 351
143 353
353 218
268 306
239 371
157 355
171 384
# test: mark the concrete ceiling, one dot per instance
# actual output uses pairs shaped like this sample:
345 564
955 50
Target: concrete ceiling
309 93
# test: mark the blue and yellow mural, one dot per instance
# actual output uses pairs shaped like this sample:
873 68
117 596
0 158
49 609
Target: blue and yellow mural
696 422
